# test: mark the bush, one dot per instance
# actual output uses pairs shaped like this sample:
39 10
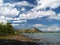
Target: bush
6 29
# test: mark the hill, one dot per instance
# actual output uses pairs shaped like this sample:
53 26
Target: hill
32 30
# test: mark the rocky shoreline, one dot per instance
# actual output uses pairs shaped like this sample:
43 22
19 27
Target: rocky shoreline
17 40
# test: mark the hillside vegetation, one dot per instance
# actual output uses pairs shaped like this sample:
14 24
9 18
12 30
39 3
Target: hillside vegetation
32 30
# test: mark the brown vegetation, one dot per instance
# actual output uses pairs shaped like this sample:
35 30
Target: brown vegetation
19 38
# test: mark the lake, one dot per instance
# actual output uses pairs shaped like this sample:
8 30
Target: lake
46 38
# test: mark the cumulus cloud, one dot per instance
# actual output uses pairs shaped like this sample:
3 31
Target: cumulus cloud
6 18
36 12
19 21
38 25
1 1
4 21
29 15
18 26
8 10
51 28
47 3
56 17
15 24
42 27
24 3
23 9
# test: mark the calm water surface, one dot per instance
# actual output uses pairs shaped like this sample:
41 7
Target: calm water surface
46 38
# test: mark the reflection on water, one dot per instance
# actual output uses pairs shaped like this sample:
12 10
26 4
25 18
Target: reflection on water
46 38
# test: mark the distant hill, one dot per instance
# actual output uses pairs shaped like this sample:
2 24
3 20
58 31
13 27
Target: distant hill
32 30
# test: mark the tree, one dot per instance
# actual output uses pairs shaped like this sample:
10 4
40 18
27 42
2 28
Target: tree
10 28
6 28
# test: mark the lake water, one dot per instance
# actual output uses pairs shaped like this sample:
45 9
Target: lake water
46 38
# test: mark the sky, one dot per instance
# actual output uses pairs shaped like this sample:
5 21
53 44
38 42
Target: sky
42 14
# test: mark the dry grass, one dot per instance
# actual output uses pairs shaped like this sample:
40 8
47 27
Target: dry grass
17 37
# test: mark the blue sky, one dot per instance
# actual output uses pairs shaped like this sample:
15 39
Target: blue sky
42 14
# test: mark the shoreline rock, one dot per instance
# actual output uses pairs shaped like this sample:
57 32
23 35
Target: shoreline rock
19 38
15 42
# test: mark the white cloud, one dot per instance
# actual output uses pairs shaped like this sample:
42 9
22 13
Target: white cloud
42 4
18 26
19 21
23 9
51 28
4 21
56 17
55 5
46 13
6 18
15 20
7 11
38 25
24 3
1 1
10 5
36 14
29 15
15 24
